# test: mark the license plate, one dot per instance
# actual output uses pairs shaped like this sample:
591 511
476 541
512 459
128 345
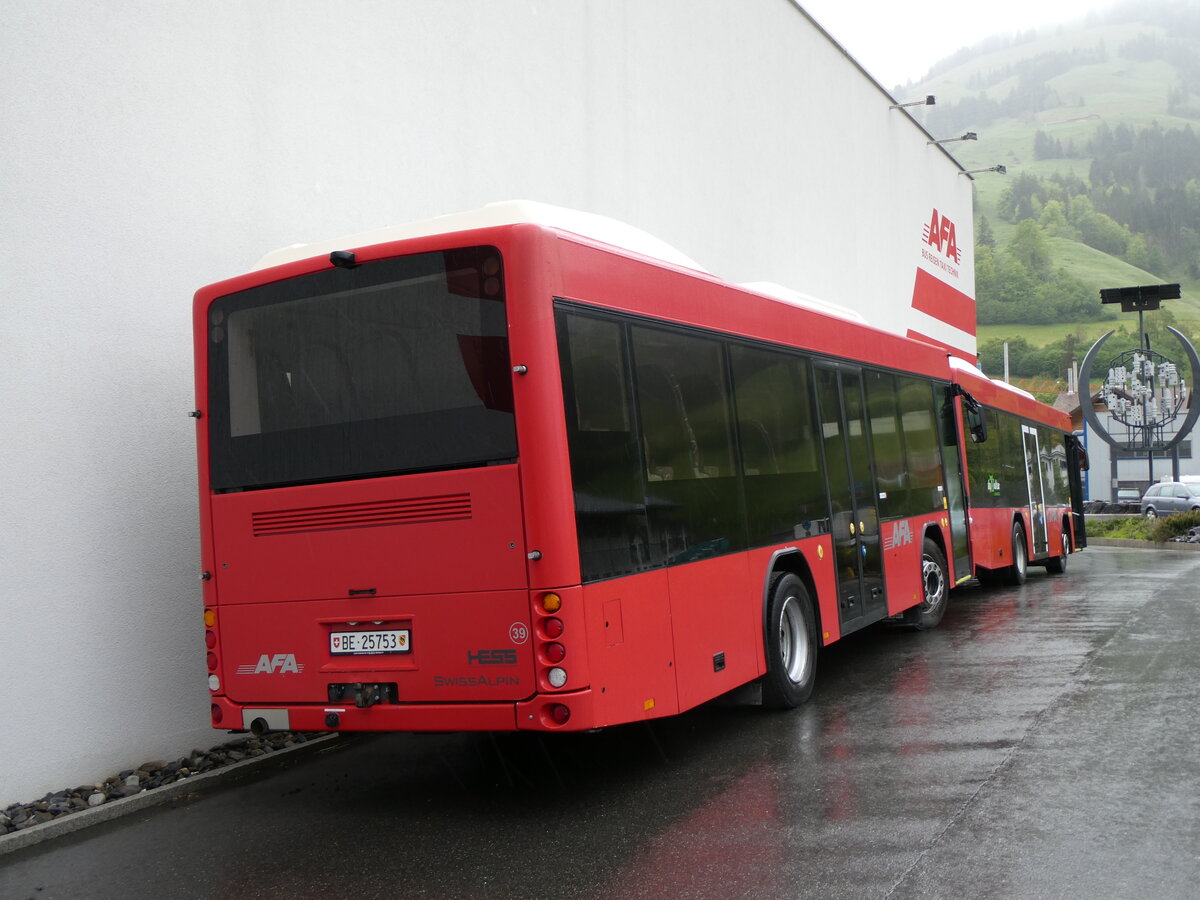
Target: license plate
369 642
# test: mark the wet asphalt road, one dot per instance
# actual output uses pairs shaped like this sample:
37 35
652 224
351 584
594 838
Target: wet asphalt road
1041 743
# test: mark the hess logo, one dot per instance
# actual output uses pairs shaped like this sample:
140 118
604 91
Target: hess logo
939 233
492 657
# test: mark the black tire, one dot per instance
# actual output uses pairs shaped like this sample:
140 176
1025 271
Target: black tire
791 644
1151 512
1057 565
935 585
1015 574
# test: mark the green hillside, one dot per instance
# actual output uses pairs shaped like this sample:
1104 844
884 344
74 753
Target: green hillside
1098 124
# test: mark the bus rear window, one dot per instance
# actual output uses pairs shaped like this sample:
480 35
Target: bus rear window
392 366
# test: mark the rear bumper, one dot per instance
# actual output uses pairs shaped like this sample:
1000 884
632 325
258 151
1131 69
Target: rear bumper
533 714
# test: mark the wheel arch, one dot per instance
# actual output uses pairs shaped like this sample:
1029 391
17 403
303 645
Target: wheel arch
791 561
1022 518
933 532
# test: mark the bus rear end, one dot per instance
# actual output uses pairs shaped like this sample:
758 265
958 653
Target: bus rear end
363 540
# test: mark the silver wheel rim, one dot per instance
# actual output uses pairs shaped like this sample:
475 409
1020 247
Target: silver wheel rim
935 583
1019 553
1066 542
794 649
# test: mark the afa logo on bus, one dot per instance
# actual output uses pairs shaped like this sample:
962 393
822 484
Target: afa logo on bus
278 664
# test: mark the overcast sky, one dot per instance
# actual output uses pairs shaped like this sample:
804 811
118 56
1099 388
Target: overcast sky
899 40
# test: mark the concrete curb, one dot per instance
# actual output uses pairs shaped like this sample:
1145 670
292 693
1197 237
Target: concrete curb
1141 545
85 818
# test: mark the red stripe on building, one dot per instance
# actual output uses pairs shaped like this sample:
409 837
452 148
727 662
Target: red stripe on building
934 297
950 348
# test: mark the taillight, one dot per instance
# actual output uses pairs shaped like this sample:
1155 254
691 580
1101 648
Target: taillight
210 641
217 715
547 628
559 713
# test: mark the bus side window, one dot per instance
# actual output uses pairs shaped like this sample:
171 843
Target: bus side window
693 497
891 472
922 445
599 396
605 459
784 485
671 451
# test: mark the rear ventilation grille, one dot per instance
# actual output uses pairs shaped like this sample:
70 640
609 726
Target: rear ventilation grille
411 511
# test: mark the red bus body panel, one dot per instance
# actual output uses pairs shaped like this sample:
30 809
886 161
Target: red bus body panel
394 536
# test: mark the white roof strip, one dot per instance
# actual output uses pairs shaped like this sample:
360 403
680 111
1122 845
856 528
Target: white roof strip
796 298
511 212
956 363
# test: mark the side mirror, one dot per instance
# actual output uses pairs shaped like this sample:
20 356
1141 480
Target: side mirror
976 422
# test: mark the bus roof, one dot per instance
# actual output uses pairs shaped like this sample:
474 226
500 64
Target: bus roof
807 301
962 365
510 212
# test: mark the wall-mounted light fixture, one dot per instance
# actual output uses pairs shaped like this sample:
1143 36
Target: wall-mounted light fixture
999 170
929 100
967 136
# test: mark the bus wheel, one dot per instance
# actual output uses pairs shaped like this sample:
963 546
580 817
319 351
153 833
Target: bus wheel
1056 565
791 644
936 586
1020 557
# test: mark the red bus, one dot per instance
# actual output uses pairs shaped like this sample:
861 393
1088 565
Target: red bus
508 476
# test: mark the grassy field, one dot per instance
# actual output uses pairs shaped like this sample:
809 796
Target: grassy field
1041 335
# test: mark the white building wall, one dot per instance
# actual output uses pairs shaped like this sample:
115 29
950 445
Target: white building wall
152 147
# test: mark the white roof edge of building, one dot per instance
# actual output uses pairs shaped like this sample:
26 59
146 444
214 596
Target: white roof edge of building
509 212
797 298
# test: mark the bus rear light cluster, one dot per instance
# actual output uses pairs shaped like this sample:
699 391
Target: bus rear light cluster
550 650
558 713
210 641
216 713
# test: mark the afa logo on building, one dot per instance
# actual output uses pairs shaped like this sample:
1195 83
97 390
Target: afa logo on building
941 234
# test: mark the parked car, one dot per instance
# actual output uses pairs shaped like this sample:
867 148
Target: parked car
1128 495
1168 497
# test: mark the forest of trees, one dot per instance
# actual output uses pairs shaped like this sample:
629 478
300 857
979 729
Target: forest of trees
1140 199
1140 204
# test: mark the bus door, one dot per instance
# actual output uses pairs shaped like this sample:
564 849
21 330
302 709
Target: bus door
1040 539
953 451
854 512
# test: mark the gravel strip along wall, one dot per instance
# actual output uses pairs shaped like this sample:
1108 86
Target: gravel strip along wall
155 781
